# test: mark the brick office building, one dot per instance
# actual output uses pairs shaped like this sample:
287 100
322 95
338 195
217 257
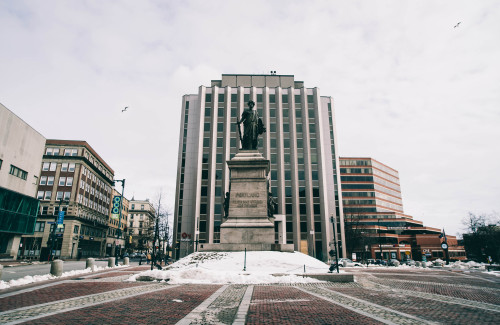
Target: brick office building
74 179
376 226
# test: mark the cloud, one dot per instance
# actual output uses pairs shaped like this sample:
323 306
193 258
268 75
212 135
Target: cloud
410 90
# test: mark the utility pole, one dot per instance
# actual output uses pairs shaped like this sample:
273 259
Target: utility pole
157 234
118 233
53 234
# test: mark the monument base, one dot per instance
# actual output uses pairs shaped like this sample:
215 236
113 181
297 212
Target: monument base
249 247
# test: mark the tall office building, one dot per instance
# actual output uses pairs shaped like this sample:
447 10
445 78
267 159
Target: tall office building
300 143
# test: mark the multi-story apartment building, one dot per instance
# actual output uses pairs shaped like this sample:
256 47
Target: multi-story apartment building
375 221
21 150
76 180
116 239
300 144
140 225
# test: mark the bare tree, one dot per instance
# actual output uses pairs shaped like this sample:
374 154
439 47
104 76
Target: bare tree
482 240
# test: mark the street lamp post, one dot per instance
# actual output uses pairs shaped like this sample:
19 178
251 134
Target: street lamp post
53 234
118 233
379 242
334 223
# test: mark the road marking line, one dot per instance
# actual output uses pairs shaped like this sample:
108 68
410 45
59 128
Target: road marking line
195 313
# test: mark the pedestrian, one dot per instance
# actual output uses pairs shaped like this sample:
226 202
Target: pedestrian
148 257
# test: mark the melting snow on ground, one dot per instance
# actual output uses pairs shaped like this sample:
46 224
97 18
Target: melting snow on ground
228 267
38 278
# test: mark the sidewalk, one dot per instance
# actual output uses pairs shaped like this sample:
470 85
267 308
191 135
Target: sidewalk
379 296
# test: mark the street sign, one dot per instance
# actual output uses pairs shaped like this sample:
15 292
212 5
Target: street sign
60 219
115 210
444 246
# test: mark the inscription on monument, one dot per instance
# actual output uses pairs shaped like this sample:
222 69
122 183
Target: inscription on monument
247 200
254 194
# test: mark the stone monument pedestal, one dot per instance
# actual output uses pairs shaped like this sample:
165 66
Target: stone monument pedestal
248 225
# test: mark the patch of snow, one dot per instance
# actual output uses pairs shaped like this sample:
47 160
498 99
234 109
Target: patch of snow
38 278
228 267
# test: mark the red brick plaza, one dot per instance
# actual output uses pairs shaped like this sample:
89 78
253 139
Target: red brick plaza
379 295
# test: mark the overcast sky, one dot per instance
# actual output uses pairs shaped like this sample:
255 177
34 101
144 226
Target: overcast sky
410 90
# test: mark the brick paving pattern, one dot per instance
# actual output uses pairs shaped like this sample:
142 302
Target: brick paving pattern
441 279
59 292
379 295
431 310
487 295
288 305
163 307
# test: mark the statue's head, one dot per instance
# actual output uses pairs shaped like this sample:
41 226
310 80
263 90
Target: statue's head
251 104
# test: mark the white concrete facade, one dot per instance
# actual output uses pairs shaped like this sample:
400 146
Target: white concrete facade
20 146
299 142
21 151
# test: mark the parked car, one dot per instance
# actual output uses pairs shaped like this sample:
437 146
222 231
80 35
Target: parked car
132 255
125 255
372 261
381 262
349 262
393 262
409 262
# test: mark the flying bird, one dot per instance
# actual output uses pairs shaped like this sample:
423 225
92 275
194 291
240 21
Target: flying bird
123 110
457 24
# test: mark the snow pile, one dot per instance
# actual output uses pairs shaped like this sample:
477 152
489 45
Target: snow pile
38 278
227 267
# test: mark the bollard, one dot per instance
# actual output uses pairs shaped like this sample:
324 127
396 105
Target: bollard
125 261
418 264
111 262
90 263
56 267
1 268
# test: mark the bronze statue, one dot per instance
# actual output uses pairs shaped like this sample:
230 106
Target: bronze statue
226 205
253 127
272 205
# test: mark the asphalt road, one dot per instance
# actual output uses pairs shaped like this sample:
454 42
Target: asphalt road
17 272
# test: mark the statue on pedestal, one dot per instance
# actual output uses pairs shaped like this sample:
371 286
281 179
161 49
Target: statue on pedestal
253 127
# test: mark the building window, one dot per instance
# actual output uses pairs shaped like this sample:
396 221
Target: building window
18 172
62 181
43 180
71 167
76 229
69 181
59 195
50 180
67 195
39 226
39 195
64 167
70 152
53 167
52 151
48 195
1 161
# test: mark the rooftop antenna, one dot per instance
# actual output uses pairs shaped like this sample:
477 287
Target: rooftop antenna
273 73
